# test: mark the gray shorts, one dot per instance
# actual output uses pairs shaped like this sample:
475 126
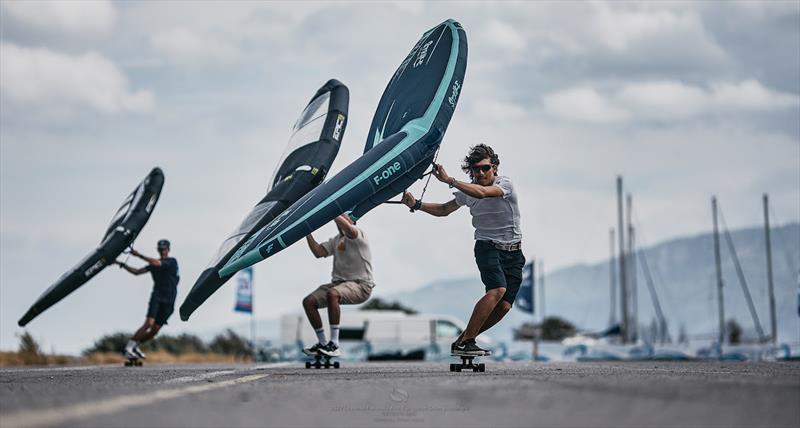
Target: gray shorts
350 292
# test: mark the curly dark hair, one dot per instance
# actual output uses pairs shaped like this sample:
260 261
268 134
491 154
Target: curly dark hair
478 153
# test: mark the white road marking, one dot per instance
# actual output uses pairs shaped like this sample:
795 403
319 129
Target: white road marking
43 417
57 369
203 376
274 365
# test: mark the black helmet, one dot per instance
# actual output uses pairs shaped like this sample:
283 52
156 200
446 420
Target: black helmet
163 244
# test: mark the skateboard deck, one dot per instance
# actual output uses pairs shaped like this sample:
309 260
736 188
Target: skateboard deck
467 364
322 360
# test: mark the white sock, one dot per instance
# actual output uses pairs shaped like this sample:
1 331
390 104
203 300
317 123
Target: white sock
131 344
335 334
321 336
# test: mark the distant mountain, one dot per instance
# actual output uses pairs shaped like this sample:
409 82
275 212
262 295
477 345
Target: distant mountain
684 275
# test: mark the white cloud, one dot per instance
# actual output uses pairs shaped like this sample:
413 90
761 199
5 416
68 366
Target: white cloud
505 36
750 95
185 46
65 16
665 101
583 104
49 79
620 27
662 99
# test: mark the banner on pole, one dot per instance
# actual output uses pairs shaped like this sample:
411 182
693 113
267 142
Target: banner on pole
525 299
244 291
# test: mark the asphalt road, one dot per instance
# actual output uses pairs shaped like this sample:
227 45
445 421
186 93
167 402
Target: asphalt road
661 394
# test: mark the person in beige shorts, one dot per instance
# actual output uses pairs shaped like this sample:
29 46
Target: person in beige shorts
351 281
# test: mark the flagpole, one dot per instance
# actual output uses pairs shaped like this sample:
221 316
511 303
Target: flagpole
253 318
536 331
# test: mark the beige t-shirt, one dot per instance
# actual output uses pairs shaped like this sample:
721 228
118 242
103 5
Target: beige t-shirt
355 262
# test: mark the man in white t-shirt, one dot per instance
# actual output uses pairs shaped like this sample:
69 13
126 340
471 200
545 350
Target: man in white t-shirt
351 281
493 204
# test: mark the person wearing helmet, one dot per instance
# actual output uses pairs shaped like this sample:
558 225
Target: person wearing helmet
164 271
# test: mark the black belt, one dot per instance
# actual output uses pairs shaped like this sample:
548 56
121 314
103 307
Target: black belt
514 246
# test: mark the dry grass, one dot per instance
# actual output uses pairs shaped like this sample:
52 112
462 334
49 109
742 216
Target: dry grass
8 359
162 357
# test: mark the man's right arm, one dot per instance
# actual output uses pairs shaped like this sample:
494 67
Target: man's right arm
134 271
438 210
316 249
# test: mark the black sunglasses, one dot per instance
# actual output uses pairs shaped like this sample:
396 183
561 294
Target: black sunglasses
484 168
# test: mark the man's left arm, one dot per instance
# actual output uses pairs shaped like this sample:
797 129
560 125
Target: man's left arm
471 189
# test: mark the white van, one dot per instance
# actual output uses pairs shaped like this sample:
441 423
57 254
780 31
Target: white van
383 330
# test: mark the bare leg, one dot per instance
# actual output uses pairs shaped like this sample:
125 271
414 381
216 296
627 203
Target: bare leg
497 314
334 310
312 312
150 333
482 310
144 330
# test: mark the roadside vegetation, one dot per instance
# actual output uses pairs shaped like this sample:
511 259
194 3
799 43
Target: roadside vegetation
227 347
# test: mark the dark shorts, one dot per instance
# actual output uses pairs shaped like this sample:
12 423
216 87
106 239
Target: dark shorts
160 310
500 268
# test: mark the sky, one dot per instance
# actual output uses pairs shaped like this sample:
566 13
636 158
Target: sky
685 100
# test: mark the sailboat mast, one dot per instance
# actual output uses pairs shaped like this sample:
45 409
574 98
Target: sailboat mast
623 298
612 319
770 285
634 318
721 335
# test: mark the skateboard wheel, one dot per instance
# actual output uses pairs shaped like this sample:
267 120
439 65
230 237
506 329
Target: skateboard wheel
452 367
458 368
336 364
482 367
308 364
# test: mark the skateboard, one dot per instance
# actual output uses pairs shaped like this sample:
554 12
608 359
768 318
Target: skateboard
133 362
467 364
319 363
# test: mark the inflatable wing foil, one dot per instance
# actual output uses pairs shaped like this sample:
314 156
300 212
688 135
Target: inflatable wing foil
125 226
312 148
410 121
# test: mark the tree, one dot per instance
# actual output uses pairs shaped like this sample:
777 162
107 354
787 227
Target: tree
109 343
734 331
29 350
231 343
377 304
555 328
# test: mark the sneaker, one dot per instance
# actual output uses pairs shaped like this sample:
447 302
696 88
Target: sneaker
331 350
138 352
128 354
314 350
468 348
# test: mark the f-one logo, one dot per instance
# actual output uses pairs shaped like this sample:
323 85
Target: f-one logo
150 204
94 268
454 94
386 173
422 54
